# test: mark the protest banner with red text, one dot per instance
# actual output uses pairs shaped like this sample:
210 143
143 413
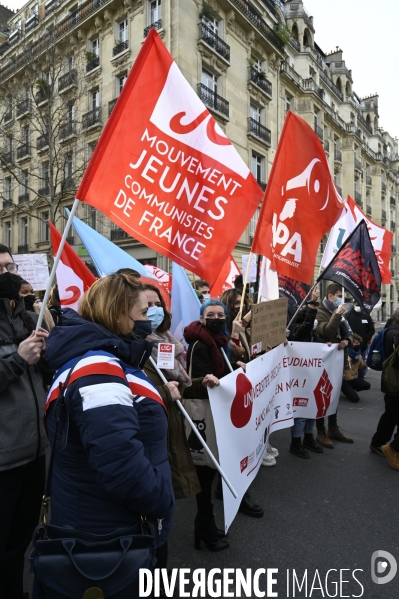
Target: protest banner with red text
165 172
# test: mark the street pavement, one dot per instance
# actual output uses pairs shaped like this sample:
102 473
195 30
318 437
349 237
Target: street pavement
331 512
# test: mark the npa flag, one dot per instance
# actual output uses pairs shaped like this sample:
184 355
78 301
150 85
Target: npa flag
355 267
338 234
301 203
226 278
73 276
295 291
380 238
165 172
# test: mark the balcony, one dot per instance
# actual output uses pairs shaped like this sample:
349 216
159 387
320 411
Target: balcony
23 248
14 36
91 118
351 128
42 95
23 198
393 248
7 158
111 104
259 79
92 64
392 201
261 184
259 131
23 151
23 107
42 142
383 186
67 129
311 85
331 85
7 204
319 132
51 5
337 155
212 100
368 210
208 36
358 198
383 214
70 240
31 22
327 147
118 234
68 80
291 73
369 181
358 164
365 124
392 226
44 191
67 184
252 15
120 47
157 25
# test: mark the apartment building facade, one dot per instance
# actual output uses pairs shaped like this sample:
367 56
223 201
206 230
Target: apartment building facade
64 64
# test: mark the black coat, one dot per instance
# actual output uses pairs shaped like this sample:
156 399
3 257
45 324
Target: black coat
202 363
358 325
391 339
302 327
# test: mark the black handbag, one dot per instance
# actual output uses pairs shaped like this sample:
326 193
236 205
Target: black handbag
71 564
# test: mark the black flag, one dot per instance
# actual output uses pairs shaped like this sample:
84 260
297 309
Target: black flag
355 267
294 290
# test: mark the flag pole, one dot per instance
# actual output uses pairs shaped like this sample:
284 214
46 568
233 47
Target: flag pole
303 301
55 264
226 359
195 431
245 283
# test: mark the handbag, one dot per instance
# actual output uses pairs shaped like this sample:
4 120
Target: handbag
200 413
71 564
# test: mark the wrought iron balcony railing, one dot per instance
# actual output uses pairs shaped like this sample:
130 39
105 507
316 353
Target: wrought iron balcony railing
92 64
91 118
120 47
23 198
212 100
259 130
67 183
392 201
23 107
23 150
331 85
7 157
260 80
393 225
23 248
358 198
369 180
44 191
358 164
214 41
319 132
7 204
368 209
42 142
67 129
157 25
118 234
68 80
111 104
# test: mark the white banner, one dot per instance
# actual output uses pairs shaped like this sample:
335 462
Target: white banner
301 380
338 235
34 269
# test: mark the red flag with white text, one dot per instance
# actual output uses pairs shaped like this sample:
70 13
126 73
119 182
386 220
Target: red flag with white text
226 278
165 172
381 240
301 203
73 276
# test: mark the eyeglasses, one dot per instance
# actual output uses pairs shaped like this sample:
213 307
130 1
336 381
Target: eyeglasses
213 315
9 267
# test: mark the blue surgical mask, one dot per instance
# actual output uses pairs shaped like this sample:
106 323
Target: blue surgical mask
156 315
338 302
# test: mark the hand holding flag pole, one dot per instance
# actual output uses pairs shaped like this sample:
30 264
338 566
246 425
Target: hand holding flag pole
195 431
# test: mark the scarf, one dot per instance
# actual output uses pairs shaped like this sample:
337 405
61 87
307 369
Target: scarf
344 329
177 373
196 331
354 354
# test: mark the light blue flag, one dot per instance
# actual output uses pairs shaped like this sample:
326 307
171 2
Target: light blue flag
107 256
185 305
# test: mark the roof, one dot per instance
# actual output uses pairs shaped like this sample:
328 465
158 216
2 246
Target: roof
5 15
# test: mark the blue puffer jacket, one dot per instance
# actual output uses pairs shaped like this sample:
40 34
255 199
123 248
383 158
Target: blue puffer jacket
115 466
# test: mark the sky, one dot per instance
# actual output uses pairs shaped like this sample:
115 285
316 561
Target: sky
366 31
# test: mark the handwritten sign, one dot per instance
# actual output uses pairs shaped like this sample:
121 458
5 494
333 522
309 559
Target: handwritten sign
268 324
252 268
34 269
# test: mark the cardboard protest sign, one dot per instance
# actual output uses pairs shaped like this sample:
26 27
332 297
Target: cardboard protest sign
34 269
268 324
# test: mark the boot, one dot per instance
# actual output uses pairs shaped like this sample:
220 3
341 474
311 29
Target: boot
334 432
251 509
298 449
310 443
391 455
205 530
323 439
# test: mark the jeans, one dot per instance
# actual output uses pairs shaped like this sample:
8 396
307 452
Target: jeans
302 425
387 423
362 374
349 388
21 491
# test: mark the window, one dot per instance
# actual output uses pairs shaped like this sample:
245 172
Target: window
45 174
44 228
122 31
68 166
316 118
92 218
257 64
94 46
70 112
24 230
7 189
24 183
255 112
209 80
25 135
211 23
90 149
7 234
287 103
94 99
120 82
253 223
258 167
35 9
8 145
70 63
155 11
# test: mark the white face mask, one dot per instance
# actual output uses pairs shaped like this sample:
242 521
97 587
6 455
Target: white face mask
357 308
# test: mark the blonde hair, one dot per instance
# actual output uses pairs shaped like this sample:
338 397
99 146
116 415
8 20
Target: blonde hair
109 299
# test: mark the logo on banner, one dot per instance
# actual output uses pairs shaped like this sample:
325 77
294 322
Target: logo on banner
301 402
244 464
322 394
241 408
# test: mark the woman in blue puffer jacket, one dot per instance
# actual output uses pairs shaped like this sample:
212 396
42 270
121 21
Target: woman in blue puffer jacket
114 468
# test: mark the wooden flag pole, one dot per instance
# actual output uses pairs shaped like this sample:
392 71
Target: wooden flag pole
195 431
55 264
245 284
304 300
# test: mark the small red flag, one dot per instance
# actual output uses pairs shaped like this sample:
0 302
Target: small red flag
226 278
301 203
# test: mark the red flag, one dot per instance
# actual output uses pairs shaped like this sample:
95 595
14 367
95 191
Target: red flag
226 278
163 277
381 240
73 276
165 172
301 203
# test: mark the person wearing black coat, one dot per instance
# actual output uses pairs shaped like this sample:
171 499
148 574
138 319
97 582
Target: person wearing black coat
362 324
380 442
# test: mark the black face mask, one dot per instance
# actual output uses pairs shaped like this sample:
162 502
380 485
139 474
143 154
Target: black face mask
215 325
29 301
142 328
9 286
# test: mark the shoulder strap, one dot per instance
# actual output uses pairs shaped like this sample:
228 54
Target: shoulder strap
191 360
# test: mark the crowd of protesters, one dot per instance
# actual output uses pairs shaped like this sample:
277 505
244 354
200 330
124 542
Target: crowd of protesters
124 452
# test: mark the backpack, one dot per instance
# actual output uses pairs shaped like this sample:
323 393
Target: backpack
390 373
376 356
